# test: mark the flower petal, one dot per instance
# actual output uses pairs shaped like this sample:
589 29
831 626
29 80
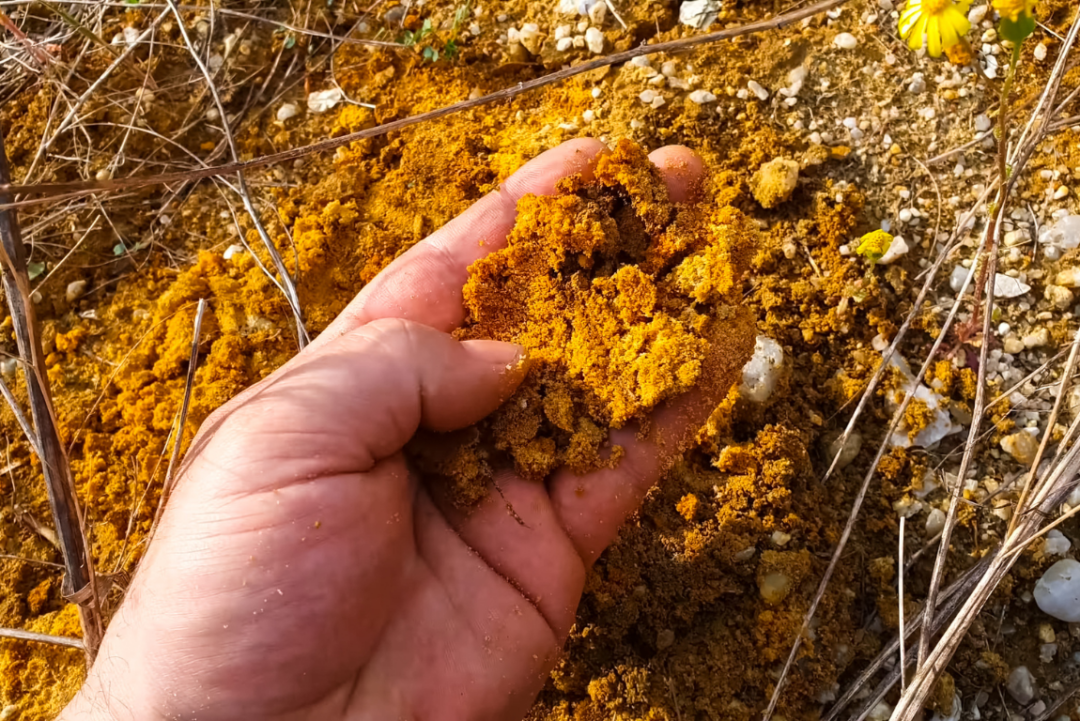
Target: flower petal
959 22
948 31
933 36
907 20
915 39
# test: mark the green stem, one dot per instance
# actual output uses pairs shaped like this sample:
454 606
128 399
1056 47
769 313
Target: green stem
1003 177
1003 117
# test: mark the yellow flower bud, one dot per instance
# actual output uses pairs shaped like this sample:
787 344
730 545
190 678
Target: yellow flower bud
874 245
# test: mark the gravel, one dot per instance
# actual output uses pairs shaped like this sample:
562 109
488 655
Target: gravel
846 41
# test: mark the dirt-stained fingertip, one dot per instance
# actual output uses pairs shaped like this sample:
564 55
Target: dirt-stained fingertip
683 172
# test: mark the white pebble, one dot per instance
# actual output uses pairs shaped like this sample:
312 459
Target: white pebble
1057 593
286 111
1056 544
935 522
1061 193
756 88
1040 52
699 13
322 100
897 249
1006 287
846 41
75 290
598 13
701 97
1064 233
977 14
983 122
232 250
595 40
762 372
564 44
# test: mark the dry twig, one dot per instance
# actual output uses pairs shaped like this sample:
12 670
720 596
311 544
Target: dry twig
42 638
78 585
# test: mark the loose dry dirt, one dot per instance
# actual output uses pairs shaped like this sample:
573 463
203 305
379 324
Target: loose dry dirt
681 618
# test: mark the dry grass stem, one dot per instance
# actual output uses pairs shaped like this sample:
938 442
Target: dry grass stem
42 638
24 559
78 585
900 568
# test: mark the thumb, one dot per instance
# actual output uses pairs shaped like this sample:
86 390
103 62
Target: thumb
361 397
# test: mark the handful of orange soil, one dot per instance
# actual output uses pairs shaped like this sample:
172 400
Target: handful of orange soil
621 299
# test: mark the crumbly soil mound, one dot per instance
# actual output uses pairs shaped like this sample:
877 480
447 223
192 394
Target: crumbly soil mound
621 299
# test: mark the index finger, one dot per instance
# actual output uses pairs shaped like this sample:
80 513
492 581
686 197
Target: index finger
425 283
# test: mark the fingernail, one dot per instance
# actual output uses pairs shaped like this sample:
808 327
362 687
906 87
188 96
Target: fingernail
508 358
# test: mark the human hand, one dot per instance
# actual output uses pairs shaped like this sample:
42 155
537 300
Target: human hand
302 571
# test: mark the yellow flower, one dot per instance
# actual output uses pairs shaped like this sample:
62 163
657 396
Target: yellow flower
1012 9
874 245
944 22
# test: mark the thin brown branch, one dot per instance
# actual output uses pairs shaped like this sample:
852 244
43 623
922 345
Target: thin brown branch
75 189
78 583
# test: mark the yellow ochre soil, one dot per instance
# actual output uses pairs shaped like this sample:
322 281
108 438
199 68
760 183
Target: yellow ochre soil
623 300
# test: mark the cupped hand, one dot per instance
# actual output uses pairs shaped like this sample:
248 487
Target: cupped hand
302 571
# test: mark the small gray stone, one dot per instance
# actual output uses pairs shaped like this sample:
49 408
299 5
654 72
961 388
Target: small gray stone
1021 685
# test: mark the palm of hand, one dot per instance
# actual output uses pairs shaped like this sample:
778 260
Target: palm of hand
302 571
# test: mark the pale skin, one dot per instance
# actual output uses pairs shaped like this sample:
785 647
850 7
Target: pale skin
303 571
